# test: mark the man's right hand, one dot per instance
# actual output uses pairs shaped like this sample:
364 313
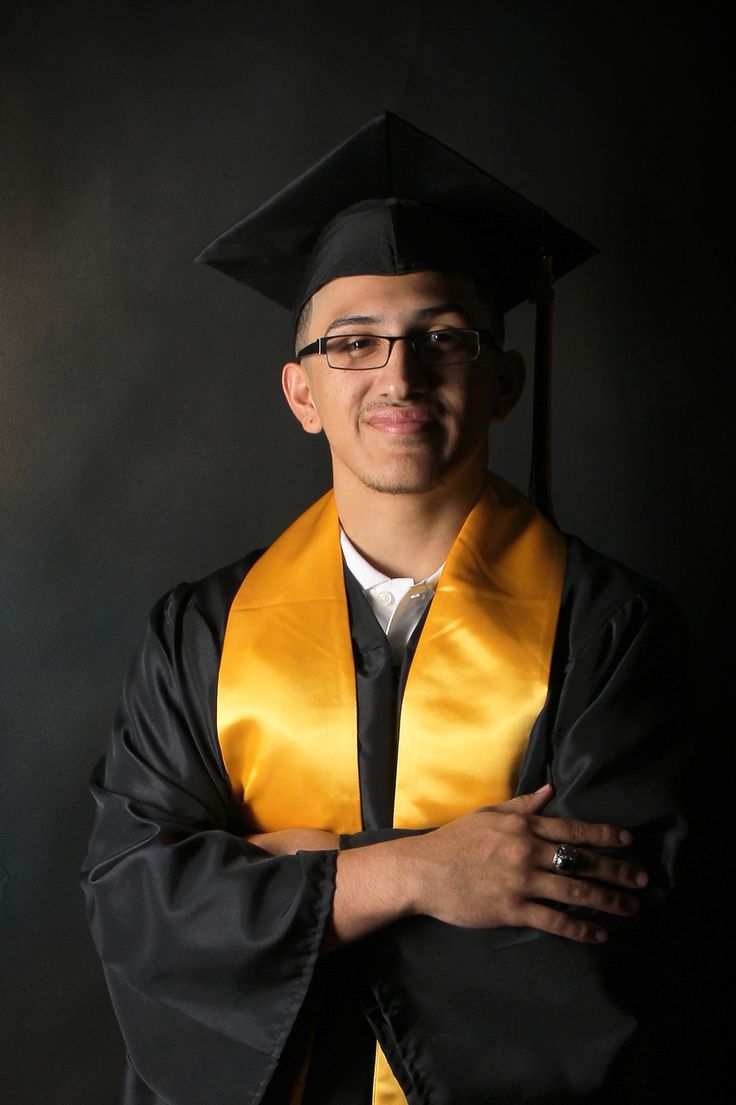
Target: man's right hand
490 868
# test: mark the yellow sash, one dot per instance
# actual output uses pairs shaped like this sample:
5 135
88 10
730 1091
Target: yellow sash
286 709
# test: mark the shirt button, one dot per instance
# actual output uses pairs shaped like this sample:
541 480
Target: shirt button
385 598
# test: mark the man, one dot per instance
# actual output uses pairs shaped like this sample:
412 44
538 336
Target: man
310 880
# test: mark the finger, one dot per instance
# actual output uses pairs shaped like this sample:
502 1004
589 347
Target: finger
564 830
583 892
550 920
527 803
567 860
618 872
590 865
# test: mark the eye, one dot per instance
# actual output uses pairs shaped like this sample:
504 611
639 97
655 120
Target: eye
354 345
440 342
441 337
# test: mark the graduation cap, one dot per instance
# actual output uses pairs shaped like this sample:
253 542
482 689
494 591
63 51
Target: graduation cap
392 199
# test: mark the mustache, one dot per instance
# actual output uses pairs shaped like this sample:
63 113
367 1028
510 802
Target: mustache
423 408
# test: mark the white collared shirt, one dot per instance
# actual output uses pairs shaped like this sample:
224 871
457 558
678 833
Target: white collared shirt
397 603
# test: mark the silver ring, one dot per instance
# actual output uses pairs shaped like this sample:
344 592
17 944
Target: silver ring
566 860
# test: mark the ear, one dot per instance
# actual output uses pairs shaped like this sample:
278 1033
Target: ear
298 391
510 379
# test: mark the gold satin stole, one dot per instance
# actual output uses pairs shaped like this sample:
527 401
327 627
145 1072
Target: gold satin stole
286 707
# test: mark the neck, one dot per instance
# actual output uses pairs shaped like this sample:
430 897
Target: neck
406 535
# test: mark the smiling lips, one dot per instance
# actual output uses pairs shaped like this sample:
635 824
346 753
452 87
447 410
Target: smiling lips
400 420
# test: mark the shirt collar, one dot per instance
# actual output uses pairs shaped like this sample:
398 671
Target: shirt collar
368 576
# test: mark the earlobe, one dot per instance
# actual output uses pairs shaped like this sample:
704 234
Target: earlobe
298 392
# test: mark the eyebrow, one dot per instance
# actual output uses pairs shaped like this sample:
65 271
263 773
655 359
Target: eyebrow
348 320
423 312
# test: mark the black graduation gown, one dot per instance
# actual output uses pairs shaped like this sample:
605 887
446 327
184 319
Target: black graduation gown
211 947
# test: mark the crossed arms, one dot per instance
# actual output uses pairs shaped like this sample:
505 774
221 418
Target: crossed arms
488 869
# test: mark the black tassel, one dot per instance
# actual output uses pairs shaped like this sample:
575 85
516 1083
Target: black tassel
540 478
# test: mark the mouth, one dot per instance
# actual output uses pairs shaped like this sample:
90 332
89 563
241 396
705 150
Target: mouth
403 421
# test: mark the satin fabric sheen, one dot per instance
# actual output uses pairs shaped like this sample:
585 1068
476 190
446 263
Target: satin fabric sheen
476 684
211 947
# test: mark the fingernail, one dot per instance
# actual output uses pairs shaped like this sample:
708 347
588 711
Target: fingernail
543 787
625 836
641 878
601 935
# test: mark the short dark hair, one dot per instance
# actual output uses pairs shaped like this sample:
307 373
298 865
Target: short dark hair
300 330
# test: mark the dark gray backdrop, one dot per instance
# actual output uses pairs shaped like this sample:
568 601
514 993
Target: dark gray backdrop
145 439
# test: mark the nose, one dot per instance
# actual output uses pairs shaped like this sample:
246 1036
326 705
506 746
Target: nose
404 374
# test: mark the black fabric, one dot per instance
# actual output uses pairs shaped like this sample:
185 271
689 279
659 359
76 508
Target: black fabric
188 917
210 946
332 221
529 1017
376 836
375 691
343 1050
379 690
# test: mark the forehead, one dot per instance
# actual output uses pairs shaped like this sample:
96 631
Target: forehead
401 297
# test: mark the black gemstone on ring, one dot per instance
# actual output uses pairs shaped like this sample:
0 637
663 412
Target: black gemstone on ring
566 860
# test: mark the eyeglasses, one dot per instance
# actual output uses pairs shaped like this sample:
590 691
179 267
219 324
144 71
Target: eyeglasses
435 348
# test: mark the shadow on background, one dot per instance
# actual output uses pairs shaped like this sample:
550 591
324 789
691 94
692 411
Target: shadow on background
146 440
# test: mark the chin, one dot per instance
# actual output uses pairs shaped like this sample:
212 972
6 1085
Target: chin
401 488
416 481
414 472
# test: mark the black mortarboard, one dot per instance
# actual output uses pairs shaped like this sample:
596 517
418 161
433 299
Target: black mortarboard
392 199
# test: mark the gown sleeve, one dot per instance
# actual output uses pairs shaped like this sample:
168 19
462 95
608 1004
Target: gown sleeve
208 943
517 1015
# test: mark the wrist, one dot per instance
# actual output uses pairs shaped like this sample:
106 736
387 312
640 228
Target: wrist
375 886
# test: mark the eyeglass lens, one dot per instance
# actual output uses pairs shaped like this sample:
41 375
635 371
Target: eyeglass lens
436 347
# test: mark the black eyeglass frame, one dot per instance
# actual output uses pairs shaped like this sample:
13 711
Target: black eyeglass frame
319 346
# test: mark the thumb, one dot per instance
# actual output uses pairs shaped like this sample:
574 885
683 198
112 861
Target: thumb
528 803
